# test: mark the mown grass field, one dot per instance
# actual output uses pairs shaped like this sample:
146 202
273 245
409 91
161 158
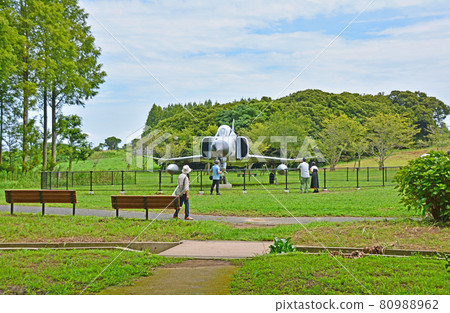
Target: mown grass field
396 234
69 272
58 272
302 274
378 202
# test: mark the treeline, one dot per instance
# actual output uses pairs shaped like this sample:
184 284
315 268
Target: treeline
342 125
48 59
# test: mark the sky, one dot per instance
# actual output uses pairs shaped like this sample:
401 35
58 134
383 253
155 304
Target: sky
165 52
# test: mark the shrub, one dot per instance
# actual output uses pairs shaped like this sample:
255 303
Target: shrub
282 246
424 185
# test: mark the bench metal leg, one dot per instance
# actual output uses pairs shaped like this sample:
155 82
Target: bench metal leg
43 209
117 212
146 214
73 210
12 208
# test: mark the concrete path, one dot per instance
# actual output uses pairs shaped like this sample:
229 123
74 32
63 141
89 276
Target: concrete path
166 216
212 249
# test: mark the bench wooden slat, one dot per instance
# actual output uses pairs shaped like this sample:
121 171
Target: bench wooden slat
144 202
41 196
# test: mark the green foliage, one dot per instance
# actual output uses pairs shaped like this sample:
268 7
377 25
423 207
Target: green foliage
112 143
77 146
242 114
424 185
282 246
387 132
339 134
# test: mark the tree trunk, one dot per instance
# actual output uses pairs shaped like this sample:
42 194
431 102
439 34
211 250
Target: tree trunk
25 124
25 77
44 144
1 129
53 105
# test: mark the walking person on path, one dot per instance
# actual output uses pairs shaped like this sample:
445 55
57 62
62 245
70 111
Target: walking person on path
215 177
314 177
304 176
182 190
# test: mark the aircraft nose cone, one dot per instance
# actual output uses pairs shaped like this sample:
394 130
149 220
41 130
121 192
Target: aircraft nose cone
221 148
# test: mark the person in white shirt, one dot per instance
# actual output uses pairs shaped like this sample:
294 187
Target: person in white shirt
304 176
182 190
314 177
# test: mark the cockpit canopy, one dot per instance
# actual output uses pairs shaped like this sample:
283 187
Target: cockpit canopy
223 131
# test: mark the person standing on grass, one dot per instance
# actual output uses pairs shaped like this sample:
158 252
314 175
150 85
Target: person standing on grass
182 191
304 176
314 177
215 177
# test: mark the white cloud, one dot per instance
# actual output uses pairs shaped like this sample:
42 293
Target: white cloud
214 50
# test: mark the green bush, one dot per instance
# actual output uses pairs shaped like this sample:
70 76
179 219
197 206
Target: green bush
282 246
424 185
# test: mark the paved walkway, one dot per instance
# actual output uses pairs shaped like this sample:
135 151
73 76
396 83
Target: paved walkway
213 249
166 216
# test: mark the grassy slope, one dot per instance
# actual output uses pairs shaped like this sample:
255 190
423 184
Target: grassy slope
102 161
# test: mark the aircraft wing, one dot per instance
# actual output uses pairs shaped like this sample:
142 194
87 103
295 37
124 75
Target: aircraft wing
191 157
262 158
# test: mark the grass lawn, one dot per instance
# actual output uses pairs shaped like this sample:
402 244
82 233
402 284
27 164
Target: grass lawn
301 274
402 234
70 272
379 202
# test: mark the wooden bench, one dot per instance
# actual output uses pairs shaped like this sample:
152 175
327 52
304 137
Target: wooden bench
41 196
144 202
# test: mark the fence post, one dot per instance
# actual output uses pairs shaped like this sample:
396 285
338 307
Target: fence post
112 178
357 178
67 180
57 180
201 181
325 179
122 191
159 190
135 177
72 179
286 190
50 180
367 173
347 173
91 192
42 180
382 169
245 191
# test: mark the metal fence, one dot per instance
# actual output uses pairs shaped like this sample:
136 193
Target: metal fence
254 179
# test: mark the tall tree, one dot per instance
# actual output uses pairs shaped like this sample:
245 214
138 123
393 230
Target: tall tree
52 43
388 132
80 74
112 143
339 134
70 130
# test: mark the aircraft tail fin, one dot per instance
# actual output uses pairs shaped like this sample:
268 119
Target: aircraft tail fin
232 126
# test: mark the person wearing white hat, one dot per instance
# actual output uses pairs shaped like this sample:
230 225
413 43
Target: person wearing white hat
182 191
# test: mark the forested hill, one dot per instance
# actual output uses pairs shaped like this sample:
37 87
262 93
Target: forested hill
299 114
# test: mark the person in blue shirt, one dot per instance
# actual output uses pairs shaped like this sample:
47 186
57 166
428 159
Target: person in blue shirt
215 177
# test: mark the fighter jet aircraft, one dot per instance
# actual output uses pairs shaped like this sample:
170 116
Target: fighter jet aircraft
226 146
